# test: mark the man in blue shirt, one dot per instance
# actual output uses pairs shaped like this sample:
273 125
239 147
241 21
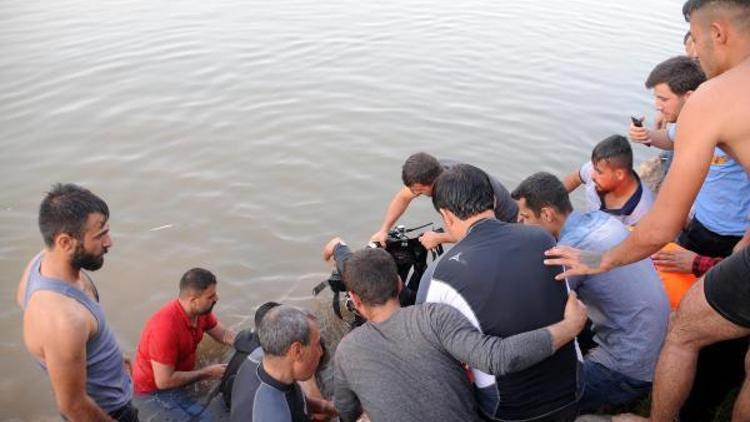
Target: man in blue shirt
723 203
627 306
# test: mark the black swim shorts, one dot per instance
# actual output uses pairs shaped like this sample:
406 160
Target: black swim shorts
727 288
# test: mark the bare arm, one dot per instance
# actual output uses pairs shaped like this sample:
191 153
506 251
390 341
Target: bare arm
396 208
222 334
572 181
64 337
654 137
166 377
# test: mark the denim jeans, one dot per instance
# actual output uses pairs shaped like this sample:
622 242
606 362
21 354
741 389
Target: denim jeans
170 405
605 386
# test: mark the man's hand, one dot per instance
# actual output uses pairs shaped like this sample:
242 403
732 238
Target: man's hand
329 247
574 261
431 240
379 237
215 371
127 363
639 135
573 321
677 260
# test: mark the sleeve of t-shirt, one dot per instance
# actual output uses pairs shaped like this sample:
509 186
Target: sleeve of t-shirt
585 173
210 322
270 406
346 401
671 132
488 353
162 346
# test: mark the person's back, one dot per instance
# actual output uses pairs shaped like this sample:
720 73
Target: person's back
628 306
495 276
403 372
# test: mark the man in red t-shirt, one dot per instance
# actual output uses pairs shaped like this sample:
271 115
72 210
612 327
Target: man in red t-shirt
165 358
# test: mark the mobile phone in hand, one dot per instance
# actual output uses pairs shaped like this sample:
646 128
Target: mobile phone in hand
637 121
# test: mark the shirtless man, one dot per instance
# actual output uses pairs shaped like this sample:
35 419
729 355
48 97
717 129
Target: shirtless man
717 307
63 324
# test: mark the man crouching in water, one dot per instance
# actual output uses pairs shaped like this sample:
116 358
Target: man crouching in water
64 326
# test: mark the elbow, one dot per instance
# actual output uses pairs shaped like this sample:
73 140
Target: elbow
163 383
71 409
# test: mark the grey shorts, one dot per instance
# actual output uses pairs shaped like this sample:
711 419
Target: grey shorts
727 288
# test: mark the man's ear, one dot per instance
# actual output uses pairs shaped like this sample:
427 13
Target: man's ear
621 173
448 218
687 94
65 242
547 214
719 32
295 351
356 300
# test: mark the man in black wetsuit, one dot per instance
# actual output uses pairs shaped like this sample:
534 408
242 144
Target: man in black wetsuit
495 277
268 391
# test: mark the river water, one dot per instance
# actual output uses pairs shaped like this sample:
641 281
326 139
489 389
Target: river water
239 135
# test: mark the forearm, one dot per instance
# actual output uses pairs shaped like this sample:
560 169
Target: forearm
181 379
347 405
83 410
340 254
395 210
659 139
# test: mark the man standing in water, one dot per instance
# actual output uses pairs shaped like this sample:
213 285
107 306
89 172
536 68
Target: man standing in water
717 307
63 323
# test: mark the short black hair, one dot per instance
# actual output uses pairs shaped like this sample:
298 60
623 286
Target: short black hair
263 310
463 190
65 209
680 73
420 168
615 150
197 280
543 190
691 6
372 275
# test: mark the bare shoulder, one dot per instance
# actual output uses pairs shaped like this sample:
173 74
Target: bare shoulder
51 318
21 290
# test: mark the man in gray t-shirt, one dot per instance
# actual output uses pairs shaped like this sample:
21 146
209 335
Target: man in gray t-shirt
405 363
418 174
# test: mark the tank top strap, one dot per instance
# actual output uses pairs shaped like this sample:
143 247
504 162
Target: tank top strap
36 281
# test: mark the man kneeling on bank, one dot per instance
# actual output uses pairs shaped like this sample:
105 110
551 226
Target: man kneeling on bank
165 359
404 364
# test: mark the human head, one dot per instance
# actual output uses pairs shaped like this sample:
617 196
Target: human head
543 201
721 32
291 337
419 173
73 221
263 310
371 276
464 191
673 80
198 291
612 159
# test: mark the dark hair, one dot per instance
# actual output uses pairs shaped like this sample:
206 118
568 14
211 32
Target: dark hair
681 73
262 311
420 168
691 6
615 150
372 275
543 190
463 190
65 209
197 280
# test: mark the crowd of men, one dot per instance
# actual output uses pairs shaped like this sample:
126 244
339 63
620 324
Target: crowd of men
492 335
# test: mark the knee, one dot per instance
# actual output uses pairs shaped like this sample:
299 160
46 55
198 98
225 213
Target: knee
684 333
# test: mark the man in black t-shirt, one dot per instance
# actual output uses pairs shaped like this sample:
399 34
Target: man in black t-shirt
418 174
